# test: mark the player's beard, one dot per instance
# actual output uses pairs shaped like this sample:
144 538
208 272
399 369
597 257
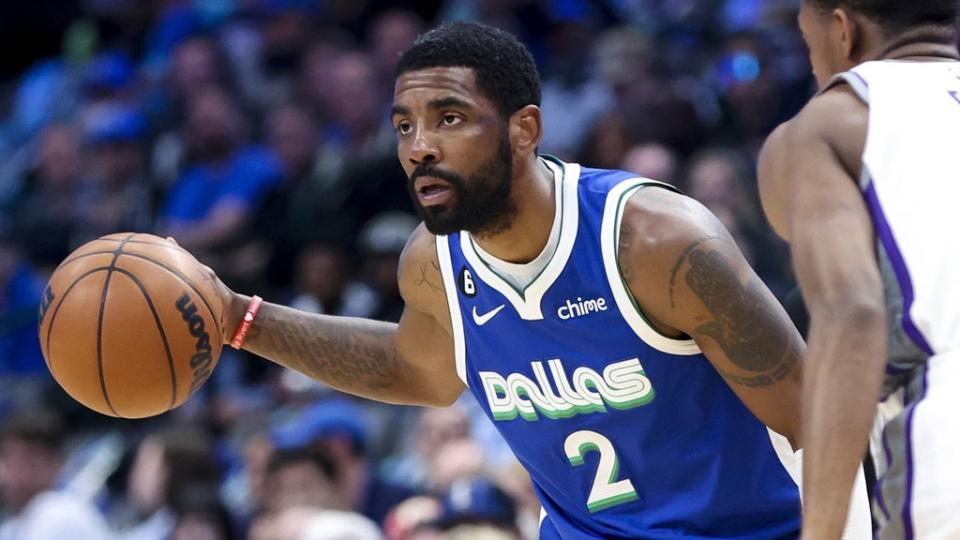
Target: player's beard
480 203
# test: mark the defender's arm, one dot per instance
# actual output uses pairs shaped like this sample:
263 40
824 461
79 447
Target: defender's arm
809 177
689 277
408 363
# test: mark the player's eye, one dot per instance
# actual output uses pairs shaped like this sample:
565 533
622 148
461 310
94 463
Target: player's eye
451 120
404 128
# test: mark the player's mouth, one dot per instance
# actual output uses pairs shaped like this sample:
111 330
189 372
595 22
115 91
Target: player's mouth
432 191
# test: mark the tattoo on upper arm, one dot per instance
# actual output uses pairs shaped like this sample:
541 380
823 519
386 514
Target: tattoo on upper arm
745 326
424 279
683 257
350 354
625 243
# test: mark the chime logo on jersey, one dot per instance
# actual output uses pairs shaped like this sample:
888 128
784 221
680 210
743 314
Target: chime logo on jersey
623 385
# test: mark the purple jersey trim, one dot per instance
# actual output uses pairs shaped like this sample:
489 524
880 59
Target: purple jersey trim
878 488
859 78
899 267
908 532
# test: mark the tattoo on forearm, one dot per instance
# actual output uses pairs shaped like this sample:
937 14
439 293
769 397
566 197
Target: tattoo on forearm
424 279
353 355
745 326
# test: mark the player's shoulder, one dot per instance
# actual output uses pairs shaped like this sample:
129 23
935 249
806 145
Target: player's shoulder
419 276
659 224
836 117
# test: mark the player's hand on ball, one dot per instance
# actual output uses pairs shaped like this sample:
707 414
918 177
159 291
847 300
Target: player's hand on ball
232 302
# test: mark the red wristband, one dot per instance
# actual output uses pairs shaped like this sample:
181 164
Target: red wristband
241 335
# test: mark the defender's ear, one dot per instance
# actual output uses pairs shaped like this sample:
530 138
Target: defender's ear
850 34
526 129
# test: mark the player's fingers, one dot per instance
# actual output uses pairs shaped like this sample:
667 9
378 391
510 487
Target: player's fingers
173 240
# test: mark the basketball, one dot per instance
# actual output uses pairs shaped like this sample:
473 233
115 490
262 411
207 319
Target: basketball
130 325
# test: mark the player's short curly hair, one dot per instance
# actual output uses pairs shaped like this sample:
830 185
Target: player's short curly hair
505 70
897 16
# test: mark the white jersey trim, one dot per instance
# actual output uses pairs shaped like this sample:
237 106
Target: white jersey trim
527 302
453 303
854 81
610 246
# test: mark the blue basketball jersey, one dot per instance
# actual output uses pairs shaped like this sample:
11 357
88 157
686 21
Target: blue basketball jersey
626 433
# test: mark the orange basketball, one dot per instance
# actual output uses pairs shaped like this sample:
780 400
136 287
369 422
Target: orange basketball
130 325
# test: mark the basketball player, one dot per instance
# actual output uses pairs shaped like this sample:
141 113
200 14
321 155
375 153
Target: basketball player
864 183
609 326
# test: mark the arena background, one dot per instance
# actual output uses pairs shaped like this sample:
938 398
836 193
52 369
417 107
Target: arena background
111 114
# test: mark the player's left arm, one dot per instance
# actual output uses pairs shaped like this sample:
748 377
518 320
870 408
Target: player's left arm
808 175
690 279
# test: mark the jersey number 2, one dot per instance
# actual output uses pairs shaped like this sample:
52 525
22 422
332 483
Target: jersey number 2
607 491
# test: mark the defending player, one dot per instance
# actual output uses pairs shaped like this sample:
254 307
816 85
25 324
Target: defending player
609 326
864 184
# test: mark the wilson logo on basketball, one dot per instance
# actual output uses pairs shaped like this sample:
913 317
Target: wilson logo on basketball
45 303
201 360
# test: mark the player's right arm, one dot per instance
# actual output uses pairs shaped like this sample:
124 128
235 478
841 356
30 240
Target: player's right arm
407 363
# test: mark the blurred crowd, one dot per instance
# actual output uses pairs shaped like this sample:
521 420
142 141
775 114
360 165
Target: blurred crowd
256 133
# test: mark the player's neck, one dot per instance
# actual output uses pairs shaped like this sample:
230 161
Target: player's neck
917 46
529 231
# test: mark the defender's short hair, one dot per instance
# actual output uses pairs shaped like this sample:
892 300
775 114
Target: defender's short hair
505 70
898 16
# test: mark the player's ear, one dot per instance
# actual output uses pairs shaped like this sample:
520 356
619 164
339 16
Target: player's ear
526 129
850 34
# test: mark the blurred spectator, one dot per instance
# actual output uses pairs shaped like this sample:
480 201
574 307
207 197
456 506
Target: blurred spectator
201 516
340 526
31 446
286 28
477 501
169 468
302 523
652 160
456 460
718 177
298 210
197 64
323 283
116 198
391 33
436 428
414 519
208 209
21 292
355 105
479 532
302 477
336 428
514 480
605 143
747 84
313 86
382 239
573 97
47 211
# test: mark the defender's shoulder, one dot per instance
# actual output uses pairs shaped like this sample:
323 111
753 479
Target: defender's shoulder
837 117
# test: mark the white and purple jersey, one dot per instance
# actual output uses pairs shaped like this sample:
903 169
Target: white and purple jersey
911 184
626 433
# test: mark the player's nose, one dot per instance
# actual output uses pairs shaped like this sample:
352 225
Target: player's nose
425 148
